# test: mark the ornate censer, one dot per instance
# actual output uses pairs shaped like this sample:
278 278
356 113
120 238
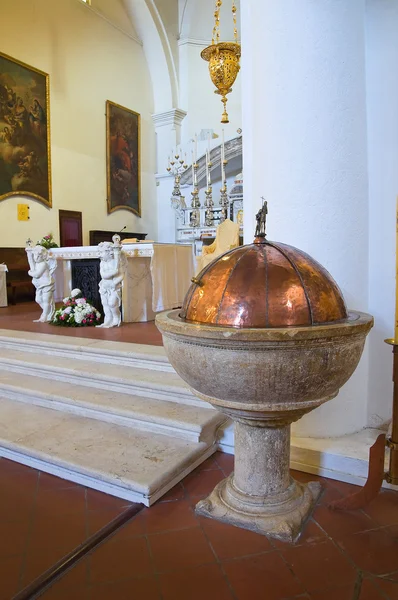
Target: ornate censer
223 58
265 337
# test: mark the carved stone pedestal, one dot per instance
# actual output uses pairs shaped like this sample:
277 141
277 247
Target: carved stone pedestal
260 495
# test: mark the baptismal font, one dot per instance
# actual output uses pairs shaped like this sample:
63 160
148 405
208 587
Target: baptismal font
265 337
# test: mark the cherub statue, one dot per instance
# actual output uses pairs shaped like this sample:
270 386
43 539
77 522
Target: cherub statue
112 268
261 218
42 267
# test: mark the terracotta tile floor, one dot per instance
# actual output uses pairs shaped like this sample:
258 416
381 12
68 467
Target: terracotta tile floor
167 553
20 317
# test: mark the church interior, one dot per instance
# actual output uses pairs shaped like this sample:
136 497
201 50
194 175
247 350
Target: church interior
199 300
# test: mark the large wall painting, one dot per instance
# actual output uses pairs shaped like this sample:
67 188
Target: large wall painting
123 158
25 164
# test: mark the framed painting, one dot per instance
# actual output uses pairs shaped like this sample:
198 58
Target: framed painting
25 162
123 159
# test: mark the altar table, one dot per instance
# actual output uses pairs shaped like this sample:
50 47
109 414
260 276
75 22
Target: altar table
157 276
3 285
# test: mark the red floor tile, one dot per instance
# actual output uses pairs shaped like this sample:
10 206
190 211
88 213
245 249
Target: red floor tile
144 588
340 523
99 501
10 569
200 485
366 590
384 508
50 482
169 516
73 584
167 552
178 550
200 583
68 501
97 519
373 551
386 586
13 537
176 493
58 531
118 559
319 565
262 577
312 534
233 542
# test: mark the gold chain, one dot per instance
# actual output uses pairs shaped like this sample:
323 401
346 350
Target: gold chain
234 20
216 29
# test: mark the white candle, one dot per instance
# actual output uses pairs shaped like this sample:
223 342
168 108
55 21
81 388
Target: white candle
193 169
196 147
207 168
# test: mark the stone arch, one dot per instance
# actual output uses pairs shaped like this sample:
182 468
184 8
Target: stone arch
146 18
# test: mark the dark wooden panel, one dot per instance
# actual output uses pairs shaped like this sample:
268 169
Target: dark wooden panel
19 283
70 228
86 277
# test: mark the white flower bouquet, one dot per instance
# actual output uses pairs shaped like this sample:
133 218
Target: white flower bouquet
76 312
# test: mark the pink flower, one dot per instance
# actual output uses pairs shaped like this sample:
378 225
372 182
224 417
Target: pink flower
84 321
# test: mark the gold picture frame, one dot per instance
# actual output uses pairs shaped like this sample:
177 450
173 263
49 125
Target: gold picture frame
123 158
25 147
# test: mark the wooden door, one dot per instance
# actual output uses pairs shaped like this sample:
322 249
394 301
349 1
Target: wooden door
70 228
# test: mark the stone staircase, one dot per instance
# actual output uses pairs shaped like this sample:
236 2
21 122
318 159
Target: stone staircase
112 416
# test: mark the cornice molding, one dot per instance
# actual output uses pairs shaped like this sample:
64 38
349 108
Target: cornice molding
193 42
175 116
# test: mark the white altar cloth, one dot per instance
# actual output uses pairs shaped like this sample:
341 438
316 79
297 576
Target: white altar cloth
157 277
3 285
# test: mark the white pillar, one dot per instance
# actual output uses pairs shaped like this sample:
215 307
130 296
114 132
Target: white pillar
168 136
305 151
382 95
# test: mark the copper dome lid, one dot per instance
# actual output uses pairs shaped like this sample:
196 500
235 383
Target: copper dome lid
264 284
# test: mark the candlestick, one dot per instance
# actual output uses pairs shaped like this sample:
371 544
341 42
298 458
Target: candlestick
396 277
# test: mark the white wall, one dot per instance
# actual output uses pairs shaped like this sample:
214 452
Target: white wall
382 97
89 61
305 150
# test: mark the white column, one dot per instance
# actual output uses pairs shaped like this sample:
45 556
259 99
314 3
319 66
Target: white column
382 94
168 136
305 151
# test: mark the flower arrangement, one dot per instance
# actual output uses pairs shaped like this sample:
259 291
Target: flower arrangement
47 242
76 312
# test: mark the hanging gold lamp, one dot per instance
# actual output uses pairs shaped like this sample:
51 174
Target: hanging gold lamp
223 59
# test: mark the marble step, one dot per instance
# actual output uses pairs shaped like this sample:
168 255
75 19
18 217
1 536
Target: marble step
159 416
123 461
148 383
119 353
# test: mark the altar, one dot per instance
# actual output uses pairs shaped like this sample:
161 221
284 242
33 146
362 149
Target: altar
156 279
